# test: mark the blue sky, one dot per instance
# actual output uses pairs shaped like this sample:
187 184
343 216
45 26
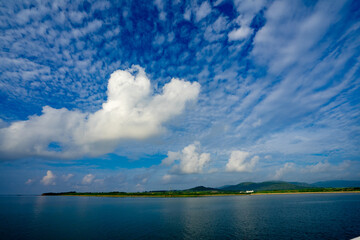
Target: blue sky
144 95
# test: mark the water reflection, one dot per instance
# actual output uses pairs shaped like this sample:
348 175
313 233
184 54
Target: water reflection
197 219
238 217
40 202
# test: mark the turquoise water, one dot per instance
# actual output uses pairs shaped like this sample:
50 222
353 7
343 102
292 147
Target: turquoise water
298 216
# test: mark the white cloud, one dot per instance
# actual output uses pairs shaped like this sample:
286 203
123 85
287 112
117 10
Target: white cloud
87 179
160 5
166 178
130 112
268 157
99 181
300 30
213 170
172 156
240 34
190 160
238 162
3 123
100 5
214 32
187 14
77 17
311 86
301 141
249 6
203 11
218 2
247 9
327 167
48 179
322 170
257 123
288 167
159 40
67 177
29 181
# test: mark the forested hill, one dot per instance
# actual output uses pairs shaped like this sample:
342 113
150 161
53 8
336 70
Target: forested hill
262 186
266 186
337 184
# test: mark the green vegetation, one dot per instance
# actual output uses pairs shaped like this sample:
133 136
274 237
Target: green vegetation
314 190
185 193
201 191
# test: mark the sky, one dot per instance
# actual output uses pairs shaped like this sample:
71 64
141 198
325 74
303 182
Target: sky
160 95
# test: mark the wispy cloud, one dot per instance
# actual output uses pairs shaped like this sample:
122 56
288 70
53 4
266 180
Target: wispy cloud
319 171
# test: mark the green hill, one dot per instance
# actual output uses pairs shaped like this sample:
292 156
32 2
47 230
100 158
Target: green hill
262 186
201 189
266 186
337 184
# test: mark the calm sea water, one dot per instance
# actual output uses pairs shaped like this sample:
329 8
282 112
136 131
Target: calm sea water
302 216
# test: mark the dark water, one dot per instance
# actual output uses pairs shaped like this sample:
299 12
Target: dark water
302 216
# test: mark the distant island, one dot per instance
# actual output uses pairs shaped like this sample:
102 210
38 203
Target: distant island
245 188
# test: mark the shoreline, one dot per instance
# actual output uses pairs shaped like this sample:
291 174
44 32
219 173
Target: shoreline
304 192
200 195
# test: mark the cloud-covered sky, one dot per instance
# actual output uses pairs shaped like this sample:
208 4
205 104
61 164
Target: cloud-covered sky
146 95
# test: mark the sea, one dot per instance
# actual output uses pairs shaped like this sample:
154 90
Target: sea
290 216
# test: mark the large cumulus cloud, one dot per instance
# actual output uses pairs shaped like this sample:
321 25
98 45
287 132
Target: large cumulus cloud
131 111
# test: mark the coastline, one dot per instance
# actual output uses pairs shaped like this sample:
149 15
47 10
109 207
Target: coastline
274 193
199 195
